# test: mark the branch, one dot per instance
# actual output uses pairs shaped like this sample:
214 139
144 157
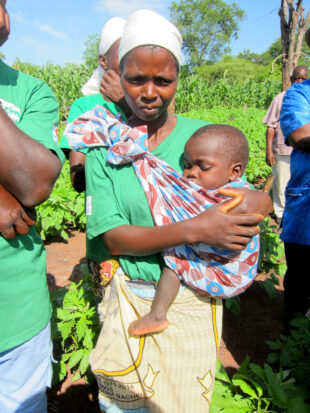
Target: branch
299 4
301 16
292 12
278 57
283 13
301 34
306 22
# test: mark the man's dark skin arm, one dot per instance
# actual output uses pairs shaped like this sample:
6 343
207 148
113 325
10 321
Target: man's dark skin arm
14 219
300 138
28 170
270 133
77 170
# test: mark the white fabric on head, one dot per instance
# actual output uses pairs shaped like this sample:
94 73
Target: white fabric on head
111 32
145 27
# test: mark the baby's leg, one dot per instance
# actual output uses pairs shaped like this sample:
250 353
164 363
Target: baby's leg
156 320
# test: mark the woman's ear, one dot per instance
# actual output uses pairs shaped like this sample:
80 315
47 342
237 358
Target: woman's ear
236 171
103 61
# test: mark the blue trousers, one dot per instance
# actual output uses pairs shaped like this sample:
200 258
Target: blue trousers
25 372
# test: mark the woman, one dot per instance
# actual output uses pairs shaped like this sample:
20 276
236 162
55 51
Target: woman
108 66
174 370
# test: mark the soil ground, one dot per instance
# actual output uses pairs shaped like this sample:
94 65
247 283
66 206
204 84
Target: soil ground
260 320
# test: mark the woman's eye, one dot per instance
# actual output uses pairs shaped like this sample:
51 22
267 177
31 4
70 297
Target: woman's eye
135 80
162 82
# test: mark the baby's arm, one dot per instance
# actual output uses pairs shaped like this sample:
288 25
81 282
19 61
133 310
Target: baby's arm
156 320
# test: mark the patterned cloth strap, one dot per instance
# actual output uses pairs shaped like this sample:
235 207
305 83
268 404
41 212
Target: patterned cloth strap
171 198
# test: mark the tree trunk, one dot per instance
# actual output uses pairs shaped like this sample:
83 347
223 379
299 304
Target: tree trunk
293 28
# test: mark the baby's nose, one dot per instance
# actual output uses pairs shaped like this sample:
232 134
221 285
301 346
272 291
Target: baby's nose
191 172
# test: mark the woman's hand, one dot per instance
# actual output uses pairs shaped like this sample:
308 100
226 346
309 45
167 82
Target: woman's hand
224 230
110 86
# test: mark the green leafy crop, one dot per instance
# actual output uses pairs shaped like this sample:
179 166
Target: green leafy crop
75 327
257 389
63 210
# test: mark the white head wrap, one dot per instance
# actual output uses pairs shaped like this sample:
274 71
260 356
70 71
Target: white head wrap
111 32
145 27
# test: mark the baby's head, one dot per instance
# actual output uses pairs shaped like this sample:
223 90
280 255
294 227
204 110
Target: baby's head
215 155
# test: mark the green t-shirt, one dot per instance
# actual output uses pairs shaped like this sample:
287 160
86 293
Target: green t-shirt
25 307
94 248
84 104
114 196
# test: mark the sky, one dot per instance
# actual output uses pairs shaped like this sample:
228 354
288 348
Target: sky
56 30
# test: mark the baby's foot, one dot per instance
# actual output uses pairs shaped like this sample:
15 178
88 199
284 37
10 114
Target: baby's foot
147 325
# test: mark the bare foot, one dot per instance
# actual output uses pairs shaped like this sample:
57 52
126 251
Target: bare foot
146 325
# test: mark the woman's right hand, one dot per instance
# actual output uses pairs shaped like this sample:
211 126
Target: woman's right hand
224 230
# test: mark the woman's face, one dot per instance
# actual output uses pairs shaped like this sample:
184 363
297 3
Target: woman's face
149 77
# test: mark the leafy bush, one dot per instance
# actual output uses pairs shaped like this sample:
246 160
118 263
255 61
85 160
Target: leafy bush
293 352
271 256
256 389
235 69
63 210
283 388
75 326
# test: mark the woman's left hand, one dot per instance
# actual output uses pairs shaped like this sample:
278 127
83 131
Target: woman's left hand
254 202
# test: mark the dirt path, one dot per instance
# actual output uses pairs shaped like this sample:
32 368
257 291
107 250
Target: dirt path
260 320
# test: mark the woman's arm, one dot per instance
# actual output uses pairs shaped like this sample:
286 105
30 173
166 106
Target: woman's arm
211 227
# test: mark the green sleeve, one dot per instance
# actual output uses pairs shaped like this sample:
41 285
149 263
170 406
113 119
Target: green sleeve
40 118
101 205
75 111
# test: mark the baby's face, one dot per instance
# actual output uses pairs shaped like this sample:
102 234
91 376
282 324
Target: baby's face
204 165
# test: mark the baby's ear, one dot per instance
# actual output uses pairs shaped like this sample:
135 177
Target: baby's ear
236 171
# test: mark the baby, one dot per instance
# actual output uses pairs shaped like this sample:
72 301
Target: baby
213 156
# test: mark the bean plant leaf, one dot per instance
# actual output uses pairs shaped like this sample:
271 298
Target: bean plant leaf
297 405
221 372
81 328
76 377
84 362
65 330
275 389
75 358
